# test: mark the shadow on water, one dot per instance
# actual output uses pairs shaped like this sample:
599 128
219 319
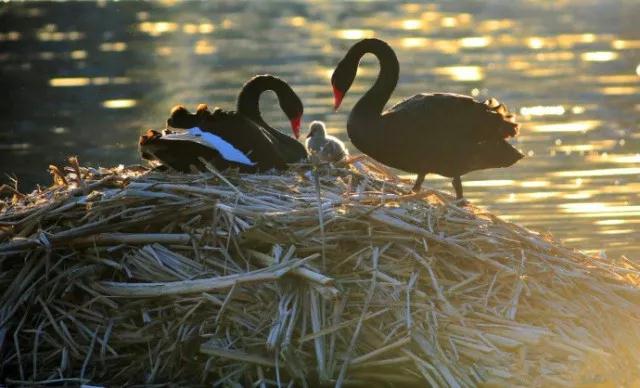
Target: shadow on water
87 78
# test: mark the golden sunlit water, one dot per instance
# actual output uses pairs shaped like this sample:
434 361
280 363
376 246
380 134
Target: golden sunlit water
89 84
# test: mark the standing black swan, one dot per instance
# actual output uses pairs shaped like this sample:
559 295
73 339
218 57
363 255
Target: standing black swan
224 138
446 134
248 105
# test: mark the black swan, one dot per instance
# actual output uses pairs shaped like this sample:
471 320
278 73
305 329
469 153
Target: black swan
248 105
224 138
446 134
328 148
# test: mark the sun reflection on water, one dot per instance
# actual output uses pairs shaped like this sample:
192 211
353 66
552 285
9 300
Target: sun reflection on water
616 231
615 158
493 25
555 110
204 47
297 21
587 209
598 172
620 90
616 79
354 34
534 184
411 24
535 43
113 46
490 183
461 73
87 81
11 36
70 81
622 44
574 126
157 28
610 222
475 41
119 104
599 56
410 43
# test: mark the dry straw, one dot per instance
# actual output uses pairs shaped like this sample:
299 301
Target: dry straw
129 276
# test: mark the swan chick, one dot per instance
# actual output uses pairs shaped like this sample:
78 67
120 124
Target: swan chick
326 147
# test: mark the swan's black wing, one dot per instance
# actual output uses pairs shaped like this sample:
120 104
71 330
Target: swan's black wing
448 134
292 151
445 116
253 140
491 154
183 155
233 131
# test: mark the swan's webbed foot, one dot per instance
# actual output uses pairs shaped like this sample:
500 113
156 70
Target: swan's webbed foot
461 202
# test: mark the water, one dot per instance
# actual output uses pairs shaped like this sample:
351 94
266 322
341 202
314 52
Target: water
88 78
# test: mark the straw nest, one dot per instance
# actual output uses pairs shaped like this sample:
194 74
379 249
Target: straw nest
130 276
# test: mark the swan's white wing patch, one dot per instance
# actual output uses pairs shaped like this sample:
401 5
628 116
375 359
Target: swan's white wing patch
207 139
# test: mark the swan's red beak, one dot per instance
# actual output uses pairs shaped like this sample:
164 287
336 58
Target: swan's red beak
295 126
338 95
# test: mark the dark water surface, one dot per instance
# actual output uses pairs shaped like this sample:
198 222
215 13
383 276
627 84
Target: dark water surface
87 78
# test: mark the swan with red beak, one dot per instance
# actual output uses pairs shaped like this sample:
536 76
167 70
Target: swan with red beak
230 139
443 133
223 138
248 105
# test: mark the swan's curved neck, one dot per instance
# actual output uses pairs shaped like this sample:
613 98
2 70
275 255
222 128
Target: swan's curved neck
376 97
249 98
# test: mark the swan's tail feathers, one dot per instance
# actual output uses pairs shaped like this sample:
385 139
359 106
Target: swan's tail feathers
508 127
148 136
494 154
203 110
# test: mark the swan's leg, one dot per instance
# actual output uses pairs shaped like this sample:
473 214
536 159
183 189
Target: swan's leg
418 185
457 184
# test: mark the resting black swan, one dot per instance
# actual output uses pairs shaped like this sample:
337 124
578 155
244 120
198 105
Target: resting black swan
224 138
446 134
248 105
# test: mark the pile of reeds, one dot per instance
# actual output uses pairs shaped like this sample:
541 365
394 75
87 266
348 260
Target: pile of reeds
129 276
